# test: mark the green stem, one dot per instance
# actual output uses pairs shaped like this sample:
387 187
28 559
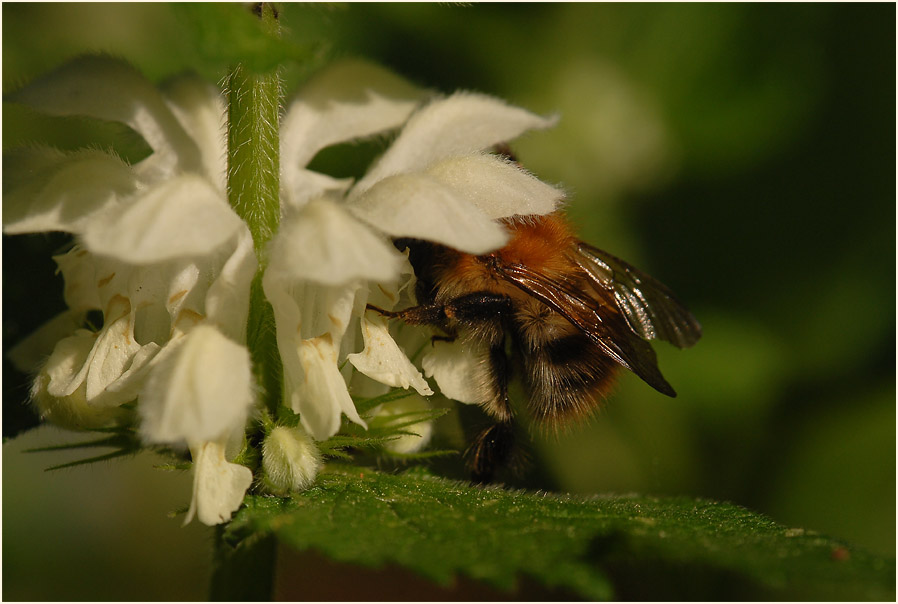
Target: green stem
253 191
243 572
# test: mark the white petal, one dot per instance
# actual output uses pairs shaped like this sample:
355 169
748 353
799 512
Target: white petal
85 356
110 89
128 385
311 320
67 367
112 355
218 485
320 395
419 206
459 125
382 360
201 111
79 271
36 347
227 301
200 389
300 187
290 459
348 100
324 244
498 188
90 281
64 191
184 216
456 367
165 291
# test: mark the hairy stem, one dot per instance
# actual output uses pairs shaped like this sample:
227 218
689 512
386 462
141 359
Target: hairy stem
253 191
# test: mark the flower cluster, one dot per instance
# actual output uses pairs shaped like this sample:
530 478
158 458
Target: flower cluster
169 264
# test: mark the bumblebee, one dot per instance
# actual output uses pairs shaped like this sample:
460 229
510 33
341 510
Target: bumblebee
569 314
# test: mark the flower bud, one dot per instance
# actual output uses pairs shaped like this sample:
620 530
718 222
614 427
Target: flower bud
290 459
71 411
409 443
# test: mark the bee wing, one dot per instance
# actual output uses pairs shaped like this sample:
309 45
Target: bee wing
651 309
600 323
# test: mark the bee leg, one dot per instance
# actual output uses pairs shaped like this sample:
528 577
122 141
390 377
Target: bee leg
494 446
424 314
478 307
475 307
380 311
489 451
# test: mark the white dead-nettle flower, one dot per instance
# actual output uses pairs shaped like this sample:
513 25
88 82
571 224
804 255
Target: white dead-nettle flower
436 182
161 255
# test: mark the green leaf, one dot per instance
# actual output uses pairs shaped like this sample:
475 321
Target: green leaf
364 405
598 548
123 442
227 33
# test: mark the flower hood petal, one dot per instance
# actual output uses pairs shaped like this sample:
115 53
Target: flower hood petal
200 109
322 243
420 206
184 216
462 124
496 187
61 191
349 100
200 389
110 89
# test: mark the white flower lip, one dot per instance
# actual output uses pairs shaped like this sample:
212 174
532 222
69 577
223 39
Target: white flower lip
218 485
384 361
455 369
322 395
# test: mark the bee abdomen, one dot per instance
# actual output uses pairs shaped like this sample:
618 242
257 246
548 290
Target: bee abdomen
566 378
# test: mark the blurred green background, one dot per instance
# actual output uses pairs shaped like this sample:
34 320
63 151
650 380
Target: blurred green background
742 154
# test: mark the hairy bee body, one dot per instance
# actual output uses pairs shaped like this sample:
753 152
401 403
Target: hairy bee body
570 315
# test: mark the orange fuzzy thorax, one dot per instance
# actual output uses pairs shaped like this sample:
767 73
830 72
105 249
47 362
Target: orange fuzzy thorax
539 242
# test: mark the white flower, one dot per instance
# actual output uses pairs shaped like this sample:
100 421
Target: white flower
162 256
436 182
419 434
166 261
